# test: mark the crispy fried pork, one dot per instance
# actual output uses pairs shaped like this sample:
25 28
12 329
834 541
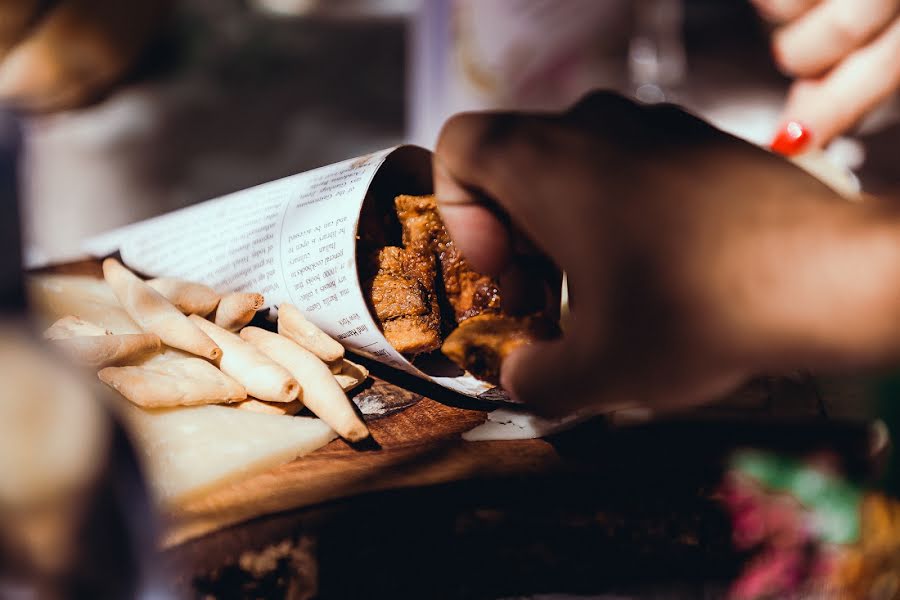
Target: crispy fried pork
480 343
468 292
427 284
403 297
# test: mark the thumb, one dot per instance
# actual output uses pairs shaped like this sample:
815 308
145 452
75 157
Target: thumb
479 232
552 378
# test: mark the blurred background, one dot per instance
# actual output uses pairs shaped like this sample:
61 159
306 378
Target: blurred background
218 95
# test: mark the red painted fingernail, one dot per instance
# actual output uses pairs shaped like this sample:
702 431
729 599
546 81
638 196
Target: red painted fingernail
791 139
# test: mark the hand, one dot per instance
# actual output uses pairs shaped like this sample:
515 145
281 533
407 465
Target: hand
694 259
72 52
843 54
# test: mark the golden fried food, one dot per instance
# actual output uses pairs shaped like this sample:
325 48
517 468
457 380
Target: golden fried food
468 292
403 297
427 288
480 344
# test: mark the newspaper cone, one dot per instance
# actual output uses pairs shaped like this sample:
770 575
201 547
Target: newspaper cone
293 240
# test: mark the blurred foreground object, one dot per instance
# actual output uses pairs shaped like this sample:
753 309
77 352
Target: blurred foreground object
807 527
12 294
74 518
72 52
52 439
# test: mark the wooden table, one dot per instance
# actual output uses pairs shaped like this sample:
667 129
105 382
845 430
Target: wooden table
422 513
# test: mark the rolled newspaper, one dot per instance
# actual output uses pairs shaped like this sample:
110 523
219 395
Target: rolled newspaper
293 240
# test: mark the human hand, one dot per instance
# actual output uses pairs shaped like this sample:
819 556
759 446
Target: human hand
844 56
70 52
695 260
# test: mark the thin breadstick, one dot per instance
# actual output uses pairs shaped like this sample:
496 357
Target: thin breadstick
71 326
92 346
188 297
104 350
237 309
89 298
270 408
173 379
321 392
155 314
262 377
292 324
351 375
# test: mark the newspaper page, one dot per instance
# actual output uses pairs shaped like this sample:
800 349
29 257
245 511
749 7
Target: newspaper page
292 240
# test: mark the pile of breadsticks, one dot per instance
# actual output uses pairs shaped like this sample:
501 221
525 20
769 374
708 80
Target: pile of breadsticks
183 344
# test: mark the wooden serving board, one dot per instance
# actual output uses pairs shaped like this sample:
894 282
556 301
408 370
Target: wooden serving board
419 445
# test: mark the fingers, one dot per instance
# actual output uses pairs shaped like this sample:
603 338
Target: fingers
487 166
549 378
781 11
828 32
76 51
15 17
479 232
833 103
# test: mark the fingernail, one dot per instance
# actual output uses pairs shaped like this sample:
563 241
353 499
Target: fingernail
791 139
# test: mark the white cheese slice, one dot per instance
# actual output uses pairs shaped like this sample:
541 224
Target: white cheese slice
190 450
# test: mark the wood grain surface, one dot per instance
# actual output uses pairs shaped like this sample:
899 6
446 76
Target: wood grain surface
416 447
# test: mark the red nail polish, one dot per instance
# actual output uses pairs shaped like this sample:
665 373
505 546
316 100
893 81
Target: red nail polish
791 139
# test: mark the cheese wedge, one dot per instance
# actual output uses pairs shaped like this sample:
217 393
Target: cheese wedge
189 451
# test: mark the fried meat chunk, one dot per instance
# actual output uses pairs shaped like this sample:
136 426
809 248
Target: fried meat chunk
480 343
468 292
404 300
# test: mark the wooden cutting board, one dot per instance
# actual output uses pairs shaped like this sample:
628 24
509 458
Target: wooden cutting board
418 445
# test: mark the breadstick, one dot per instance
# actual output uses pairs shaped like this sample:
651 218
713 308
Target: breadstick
89 298
155 314
292 324
71 326
351 375
262 377
321 392
271 408
237 309
104 350
173 379
188 297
